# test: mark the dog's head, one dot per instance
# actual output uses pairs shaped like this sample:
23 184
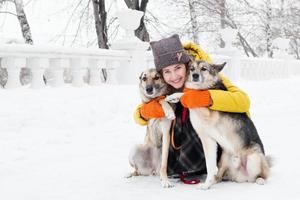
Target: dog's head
152 85
203 75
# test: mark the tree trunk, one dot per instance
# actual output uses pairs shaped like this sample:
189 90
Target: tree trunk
25 28
25 74
268 29
100 23
141 32
101 27
193 15
243 40
246 46
295 48
222 19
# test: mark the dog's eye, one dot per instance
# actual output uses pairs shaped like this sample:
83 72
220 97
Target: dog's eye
156 78
192 69
203 69
144 78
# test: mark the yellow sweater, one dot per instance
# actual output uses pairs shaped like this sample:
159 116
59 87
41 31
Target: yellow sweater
195 51
233 100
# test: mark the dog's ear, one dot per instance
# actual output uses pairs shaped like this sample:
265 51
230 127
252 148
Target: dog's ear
192 59
218 68
141 76
190 63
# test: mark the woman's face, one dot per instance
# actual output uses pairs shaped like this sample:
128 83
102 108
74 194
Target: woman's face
174 75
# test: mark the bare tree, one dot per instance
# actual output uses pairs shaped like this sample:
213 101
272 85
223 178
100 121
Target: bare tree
100 16
222 19
100 23
288 18
141 31
268 28
220 10
25 28
25 74
20 14
194 20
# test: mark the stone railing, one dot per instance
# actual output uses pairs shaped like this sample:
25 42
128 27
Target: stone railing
123 62
57 60
260 69
240 67
122 66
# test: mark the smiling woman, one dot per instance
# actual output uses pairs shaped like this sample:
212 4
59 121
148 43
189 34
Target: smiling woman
174 75
171 60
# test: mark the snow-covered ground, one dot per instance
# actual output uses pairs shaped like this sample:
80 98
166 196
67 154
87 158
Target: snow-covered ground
72 143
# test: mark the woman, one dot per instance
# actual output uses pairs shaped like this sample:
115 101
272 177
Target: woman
186 154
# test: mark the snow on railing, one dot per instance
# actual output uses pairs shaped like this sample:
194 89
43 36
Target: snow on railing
119 64
239 67
124 61
258 68
57 59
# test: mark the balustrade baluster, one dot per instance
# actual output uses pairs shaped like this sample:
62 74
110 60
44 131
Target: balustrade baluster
111 71
95 65
57 66
37 66
78 69
13 66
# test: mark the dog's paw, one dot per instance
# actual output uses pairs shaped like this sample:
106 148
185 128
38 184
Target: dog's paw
260 181
128 175
166 183
174 98
131 174
207 184
204 186
170 115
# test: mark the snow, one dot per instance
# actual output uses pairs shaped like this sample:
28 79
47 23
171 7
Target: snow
73 143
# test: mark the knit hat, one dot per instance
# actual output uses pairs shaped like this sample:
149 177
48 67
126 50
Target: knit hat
168 51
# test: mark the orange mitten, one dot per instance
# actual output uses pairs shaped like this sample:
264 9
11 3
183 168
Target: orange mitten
195 98
152 109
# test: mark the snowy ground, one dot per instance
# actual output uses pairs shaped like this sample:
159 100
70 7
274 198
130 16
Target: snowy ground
72 143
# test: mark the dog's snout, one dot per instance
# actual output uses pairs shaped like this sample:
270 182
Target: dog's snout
195 77
149 89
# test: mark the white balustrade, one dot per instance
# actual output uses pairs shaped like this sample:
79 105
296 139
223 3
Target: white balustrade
37 67
78 69
13 66
95 66
57 66
258 69
111 71
125 60
122 66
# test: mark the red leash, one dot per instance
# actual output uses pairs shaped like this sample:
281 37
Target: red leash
189 182
183 175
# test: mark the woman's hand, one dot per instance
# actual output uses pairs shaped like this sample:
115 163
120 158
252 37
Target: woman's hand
174 98
152 109
195 98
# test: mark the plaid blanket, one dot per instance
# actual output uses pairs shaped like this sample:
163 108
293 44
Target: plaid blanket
187 156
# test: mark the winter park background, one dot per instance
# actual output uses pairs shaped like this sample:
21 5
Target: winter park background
72 141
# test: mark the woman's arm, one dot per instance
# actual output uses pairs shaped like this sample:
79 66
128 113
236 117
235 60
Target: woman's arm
233 100
138 117
152 109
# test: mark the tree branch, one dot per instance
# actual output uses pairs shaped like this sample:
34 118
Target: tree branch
143 5
7 12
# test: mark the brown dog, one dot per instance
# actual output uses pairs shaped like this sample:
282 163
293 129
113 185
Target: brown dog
243 158
151 157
